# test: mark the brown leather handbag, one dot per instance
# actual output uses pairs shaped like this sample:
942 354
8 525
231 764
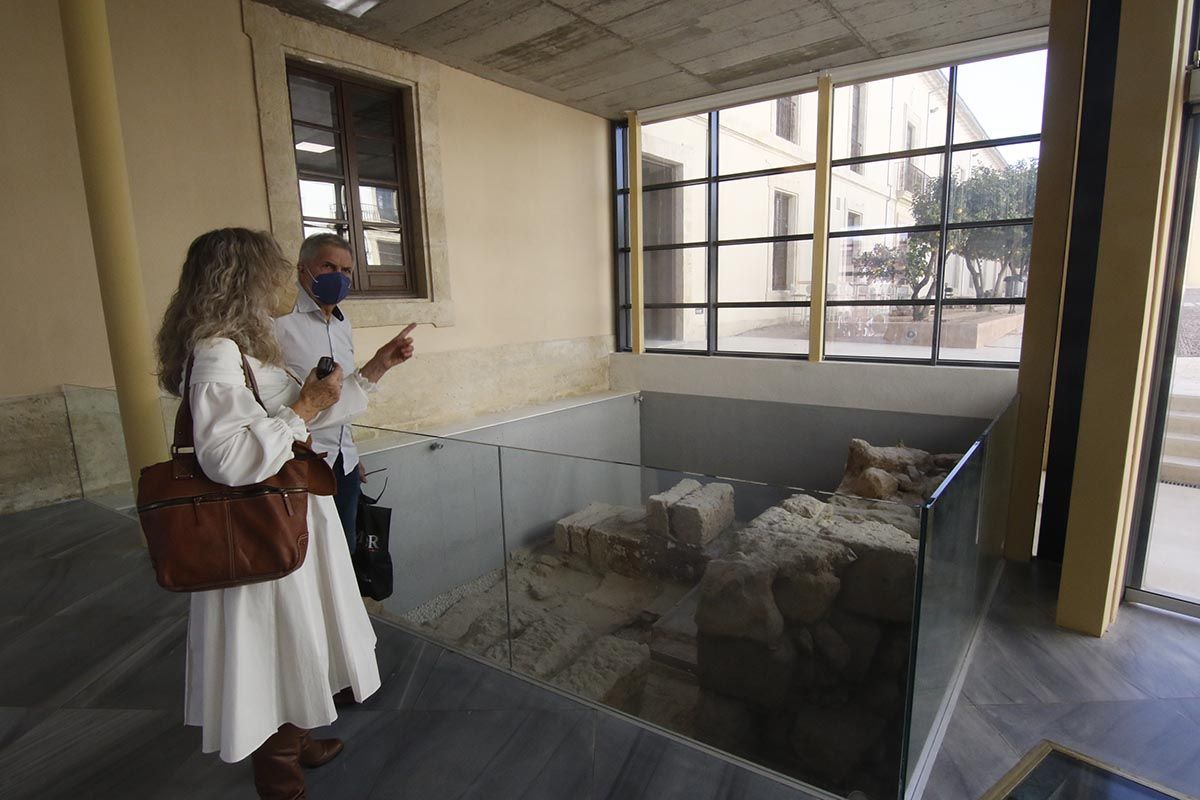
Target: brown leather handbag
205 535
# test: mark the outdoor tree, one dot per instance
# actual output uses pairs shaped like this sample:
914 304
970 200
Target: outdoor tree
986 194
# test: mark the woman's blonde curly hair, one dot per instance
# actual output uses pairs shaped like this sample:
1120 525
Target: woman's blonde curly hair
227 288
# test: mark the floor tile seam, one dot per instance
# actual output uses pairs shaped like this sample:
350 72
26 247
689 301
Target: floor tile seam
100 591
545 763
151 637
425 681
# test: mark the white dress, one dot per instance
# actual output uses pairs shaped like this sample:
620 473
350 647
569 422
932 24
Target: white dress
268 653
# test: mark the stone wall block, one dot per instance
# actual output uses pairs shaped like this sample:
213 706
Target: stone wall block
729 724
697 518
881 580
804 599
736 599
833 741
747 670
611 671
658 506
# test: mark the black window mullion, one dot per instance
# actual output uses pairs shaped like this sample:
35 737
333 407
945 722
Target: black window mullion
947 178
714 129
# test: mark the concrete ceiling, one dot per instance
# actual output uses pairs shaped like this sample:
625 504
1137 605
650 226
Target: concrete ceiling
610 56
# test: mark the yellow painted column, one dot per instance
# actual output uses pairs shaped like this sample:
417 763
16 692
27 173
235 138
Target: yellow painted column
110 211
637 300
1048 257
820 248
1142 157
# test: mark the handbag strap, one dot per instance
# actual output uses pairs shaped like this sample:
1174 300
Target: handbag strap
183 417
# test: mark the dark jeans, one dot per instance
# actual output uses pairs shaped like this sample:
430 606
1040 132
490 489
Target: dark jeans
349 487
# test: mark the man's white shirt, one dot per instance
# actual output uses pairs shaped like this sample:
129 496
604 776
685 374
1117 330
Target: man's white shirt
305 336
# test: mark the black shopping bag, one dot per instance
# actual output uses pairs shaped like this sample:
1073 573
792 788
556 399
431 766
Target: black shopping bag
372 561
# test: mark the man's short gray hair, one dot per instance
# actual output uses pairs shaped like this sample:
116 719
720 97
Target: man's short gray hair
313 244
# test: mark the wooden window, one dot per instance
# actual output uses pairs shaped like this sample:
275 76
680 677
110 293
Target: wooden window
858 112
787 118
354 165
781 251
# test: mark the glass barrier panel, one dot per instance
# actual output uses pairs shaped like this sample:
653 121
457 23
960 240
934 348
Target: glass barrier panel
769 622
446 537
956 575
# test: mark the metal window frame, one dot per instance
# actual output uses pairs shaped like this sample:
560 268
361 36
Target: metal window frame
711 242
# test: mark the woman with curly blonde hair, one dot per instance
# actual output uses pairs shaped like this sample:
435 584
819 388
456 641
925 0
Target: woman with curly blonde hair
265 659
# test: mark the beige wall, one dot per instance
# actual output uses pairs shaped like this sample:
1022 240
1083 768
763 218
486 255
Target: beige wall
527 208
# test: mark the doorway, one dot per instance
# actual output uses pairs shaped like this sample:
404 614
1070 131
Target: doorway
1165 563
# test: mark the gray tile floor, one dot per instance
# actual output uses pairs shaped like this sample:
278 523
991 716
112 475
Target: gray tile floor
91 690
91 674
1131 699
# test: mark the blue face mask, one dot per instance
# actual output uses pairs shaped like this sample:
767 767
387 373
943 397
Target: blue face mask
330 288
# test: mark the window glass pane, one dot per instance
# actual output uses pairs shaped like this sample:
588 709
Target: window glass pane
777 205
892 266
374 113
763 330
1000 97
385 249
376 160
316 150
982 333
677 328
313 100
988 262
879 331
379 204
886 194
675 276
675 150
774 133
673 216
902 113
993 183
321 199
751 273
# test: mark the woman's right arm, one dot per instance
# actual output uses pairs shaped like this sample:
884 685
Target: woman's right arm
237 441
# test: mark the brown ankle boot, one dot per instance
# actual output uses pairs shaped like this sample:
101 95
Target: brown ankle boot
317 752
277 773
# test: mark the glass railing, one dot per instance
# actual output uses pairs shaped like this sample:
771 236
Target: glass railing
819 635
767 621
100 455
962 537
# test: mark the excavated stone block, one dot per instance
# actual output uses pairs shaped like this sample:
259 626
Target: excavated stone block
612 671
861 637
745 669
726 723
804 599
833 741
543 647
881 580
736 599
570 532
658 506
898 515
803 505
698 517
872 482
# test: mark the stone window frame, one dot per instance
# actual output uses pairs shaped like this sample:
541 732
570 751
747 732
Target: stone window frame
275 39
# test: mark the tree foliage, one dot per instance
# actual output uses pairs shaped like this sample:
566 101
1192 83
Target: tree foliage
986 194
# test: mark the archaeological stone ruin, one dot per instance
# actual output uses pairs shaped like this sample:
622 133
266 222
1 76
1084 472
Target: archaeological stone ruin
783 638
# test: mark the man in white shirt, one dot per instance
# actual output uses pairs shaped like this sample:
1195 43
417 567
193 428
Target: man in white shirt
316 327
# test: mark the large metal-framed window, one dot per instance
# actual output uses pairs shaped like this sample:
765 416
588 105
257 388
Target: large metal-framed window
353 162
918 269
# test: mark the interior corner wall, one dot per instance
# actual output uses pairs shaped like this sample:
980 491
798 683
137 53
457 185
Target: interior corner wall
526 197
